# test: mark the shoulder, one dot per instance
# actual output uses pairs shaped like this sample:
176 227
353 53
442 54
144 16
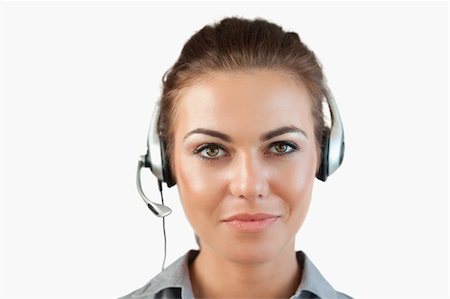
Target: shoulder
342 296
172 282
314 282
156 288
143 293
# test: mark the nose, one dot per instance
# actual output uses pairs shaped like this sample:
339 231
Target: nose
249 178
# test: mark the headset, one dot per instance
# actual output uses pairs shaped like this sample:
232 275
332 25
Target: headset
333 147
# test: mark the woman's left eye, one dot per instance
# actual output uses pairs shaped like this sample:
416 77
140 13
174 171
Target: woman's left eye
282 148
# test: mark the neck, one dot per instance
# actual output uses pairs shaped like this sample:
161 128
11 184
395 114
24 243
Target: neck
213 276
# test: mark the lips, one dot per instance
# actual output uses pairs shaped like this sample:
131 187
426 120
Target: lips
251 223
250 217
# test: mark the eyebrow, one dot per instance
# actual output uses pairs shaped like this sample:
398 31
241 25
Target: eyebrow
266 136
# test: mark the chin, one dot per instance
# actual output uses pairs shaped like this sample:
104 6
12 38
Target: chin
252 252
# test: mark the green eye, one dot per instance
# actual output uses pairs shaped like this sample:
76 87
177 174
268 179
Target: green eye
210 151
283 148
280 148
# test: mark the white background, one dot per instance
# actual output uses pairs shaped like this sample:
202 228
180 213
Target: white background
78 85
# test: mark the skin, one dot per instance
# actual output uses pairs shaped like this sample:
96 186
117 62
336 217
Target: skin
246 176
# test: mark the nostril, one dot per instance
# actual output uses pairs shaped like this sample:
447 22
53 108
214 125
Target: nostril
245 197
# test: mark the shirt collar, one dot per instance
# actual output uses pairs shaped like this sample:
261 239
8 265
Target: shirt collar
176 275
312 280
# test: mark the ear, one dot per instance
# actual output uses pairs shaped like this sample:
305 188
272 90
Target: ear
172 170
167 169
322 171
319 156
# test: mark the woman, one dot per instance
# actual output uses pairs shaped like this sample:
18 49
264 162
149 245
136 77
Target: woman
243 137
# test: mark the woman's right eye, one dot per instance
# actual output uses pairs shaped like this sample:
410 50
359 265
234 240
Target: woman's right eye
209 152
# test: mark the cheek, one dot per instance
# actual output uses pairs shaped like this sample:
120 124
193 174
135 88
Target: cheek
199 192
299 204
294 186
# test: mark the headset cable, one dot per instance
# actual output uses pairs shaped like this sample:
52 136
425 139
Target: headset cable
164 225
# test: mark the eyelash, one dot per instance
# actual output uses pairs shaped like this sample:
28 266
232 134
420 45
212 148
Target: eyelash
198 150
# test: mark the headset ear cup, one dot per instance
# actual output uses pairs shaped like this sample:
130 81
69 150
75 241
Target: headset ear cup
167 172
322 173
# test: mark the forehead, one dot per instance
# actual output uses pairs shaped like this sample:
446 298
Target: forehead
256 101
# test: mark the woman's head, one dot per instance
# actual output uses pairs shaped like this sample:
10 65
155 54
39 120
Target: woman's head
241 117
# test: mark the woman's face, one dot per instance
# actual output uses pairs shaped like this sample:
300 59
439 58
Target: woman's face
232 165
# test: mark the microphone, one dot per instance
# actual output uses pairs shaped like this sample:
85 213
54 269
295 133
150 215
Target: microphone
159 210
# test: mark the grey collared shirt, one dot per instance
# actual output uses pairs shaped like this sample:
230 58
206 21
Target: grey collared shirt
174 282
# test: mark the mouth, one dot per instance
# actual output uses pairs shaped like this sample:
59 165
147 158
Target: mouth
250 217
251 223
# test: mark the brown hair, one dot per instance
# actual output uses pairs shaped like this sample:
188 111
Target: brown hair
238 44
